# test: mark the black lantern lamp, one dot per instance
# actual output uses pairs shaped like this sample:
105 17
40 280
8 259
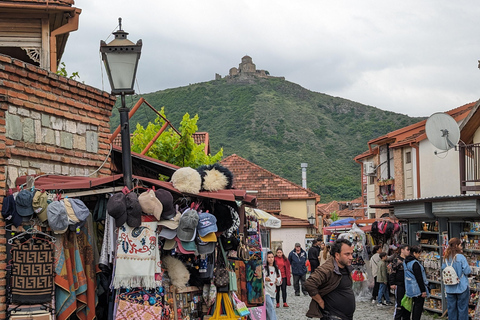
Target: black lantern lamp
121 60
311 219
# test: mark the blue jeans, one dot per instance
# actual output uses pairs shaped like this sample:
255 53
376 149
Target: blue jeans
457 305
383 292
270 307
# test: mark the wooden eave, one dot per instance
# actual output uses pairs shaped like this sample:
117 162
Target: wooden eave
470 125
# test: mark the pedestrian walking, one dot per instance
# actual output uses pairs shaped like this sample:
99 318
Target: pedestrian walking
374 260
284 266
397 283
416 283
273 279
382 278
330 286
324 253
313 254
458 294
297 259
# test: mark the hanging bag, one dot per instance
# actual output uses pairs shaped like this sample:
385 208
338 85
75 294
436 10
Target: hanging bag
232 277
242 251
221 277
240 306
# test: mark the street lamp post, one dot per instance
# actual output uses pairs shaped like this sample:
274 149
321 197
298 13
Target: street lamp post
120 57
311 219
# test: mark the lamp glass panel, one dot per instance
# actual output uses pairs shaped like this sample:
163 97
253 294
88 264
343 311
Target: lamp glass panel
122 69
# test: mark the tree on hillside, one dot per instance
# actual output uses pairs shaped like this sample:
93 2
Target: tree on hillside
180 150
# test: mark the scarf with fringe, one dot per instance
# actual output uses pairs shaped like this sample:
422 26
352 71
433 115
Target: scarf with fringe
138 257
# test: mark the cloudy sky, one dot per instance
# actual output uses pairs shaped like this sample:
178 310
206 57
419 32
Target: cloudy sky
410 57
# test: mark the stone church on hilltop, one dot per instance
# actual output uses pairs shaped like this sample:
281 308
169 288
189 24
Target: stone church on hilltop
246 71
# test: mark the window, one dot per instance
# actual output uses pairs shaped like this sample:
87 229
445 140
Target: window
371 180
408 157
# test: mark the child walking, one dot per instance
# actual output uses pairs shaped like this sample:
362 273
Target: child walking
273 278
382 279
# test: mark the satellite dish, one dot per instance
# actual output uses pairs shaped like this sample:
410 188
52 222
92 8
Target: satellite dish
442 131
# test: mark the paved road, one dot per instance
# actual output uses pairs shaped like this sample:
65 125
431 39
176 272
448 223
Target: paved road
364 310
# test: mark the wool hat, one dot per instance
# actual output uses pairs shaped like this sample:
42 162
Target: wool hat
187 226
72 218
80 209
150 204
40 204
207 223
57 217
187 180
167 233
24 203
134 210
215 177
166 198
204 247
209 237
171 223
169 244
116 207
9 211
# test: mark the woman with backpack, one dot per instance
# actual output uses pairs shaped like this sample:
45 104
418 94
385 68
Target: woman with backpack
456 281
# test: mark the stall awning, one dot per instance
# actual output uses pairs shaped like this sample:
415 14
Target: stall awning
266 219
329 230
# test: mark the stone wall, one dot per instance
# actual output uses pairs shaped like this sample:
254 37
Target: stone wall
49 124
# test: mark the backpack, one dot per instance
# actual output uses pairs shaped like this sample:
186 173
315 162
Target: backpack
449 275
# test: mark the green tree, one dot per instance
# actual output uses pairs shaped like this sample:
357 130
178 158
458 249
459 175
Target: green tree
180 150
62 70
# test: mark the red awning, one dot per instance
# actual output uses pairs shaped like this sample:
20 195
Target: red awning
329 230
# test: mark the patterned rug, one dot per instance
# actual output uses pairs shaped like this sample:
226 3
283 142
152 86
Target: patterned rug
32 272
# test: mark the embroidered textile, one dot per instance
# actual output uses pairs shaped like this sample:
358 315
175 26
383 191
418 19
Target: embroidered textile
138 257
32 272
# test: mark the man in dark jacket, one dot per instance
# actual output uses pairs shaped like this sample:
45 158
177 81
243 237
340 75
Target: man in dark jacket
297 259
330 286
313 254
397 282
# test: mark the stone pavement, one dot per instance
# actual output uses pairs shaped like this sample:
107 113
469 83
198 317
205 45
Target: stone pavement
365 310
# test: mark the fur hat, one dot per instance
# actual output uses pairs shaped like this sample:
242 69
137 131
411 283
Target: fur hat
215 177
177 272
187 180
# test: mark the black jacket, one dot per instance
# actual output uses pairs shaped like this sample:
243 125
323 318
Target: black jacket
313 254
397 275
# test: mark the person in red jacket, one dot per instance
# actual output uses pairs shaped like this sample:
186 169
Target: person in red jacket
284 267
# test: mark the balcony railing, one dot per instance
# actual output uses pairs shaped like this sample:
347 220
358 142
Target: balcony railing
469 167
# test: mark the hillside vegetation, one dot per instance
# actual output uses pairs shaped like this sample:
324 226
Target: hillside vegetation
278 124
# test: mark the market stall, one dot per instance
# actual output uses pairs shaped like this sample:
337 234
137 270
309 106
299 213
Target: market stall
160 249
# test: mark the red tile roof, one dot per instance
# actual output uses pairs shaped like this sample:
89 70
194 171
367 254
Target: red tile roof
269 188
47 3
292 222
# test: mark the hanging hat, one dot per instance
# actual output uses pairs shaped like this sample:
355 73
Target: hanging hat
169 244
224 217
187 180
9 211
171 223
189 245
166 198
79 209
134 210
215 177
116 207
57 217
187 226
209 237
150 204
167 233
206 223
40 204
24 203
204 247
181 248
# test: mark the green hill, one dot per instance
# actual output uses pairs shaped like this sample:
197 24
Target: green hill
278 125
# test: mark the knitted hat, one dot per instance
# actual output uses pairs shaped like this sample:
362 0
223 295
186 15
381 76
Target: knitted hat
187 180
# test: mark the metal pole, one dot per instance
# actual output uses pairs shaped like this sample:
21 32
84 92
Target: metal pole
126 151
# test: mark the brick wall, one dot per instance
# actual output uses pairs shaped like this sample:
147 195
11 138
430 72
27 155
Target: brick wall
48 124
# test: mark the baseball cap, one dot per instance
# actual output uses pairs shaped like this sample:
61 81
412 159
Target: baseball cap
9 211
40 204
171 223
167 233
57 217
181 248
189 245
187 226
24 203
206 223
166 199
205 247
209 237
169 244
116 207
134 210
150 204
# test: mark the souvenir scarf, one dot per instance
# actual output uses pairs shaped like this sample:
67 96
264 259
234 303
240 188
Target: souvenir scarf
137 258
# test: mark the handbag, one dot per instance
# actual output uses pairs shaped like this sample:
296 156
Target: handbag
240 306
232 277
130 308
221 276
407 303
242 251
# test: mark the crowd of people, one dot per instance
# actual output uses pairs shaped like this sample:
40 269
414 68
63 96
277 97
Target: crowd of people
330 282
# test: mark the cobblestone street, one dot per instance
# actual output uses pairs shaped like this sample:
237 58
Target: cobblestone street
365 310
